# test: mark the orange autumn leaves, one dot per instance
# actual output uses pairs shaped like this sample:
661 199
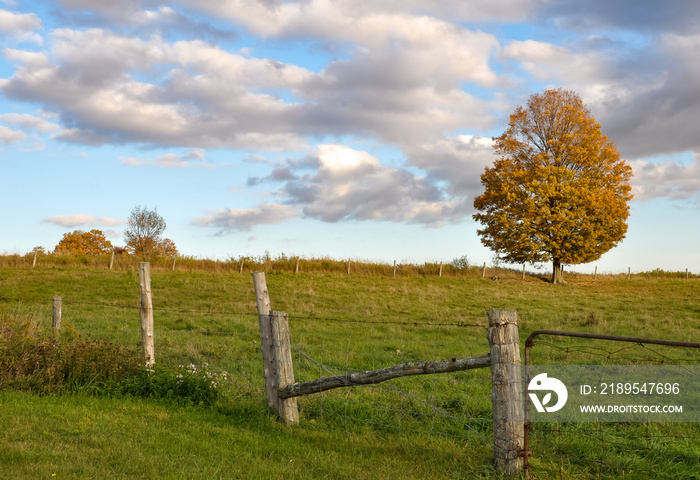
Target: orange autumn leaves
94 242
559 190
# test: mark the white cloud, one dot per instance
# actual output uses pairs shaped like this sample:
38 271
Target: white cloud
8 136
29 122
20 26
350 184
666 179
193 159
230 219
81 219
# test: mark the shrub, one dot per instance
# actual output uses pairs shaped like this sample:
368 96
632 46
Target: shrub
40 363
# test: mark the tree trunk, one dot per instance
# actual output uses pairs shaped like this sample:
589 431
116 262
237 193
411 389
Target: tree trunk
557 274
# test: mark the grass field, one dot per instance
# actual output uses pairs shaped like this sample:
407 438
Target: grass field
423 427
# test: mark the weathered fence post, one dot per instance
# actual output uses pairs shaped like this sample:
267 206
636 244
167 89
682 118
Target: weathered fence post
440 274
394 267
56 314
172 269
146 313
523 271
296 268
262 300
241 271
283 369
506 391
36 250
595 273
348 267
629 269
483 271
111 260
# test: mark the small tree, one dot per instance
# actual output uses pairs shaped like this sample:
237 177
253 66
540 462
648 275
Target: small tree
559 190
142 234
93 242
166 248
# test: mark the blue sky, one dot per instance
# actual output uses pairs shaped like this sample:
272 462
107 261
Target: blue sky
349 128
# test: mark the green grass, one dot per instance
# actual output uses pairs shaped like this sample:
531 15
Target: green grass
346 323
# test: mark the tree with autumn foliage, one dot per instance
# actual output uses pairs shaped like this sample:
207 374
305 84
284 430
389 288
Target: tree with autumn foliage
93 242
559 191
143 232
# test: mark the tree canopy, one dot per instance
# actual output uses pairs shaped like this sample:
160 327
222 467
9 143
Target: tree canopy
93 242
143 231
559 191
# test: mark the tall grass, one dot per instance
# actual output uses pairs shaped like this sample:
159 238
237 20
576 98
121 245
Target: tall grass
283 263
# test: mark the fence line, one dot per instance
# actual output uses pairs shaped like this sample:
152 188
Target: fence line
296 264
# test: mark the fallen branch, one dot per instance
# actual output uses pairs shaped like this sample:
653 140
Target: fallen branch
377 376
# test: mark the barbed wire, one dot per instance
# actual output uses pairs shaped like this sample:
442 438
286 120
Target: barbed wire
292 317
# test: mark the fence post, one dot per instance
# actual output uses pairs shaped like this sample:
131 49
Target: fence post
283 368
56 314
348 266
262 301
506 391
36 250
172 269
595 274
111 260
394 267
241 271
523 271
440 274
629 269
146 313
296 268
483 271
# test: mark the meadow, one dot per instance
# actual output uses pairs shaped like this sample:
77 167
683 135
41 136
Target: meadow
422 427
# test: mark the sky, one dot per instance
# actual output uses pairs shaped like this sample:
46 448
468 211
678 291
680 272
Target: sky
349 128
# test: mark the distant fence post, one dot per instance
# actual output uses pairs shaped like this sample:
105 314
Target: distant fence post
36 250
283 368
629 270
483 271
146 313
440 274
595 273
523 271
394 267
348 267
172 269
296 268
111 260
56 314
262 301
241 271
506 391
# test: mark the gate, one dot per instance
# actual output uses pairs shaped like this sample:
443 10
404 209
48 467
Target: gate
605 470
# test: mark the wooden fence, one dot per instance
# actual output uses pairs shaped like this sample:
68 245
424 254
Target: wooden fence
503 359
